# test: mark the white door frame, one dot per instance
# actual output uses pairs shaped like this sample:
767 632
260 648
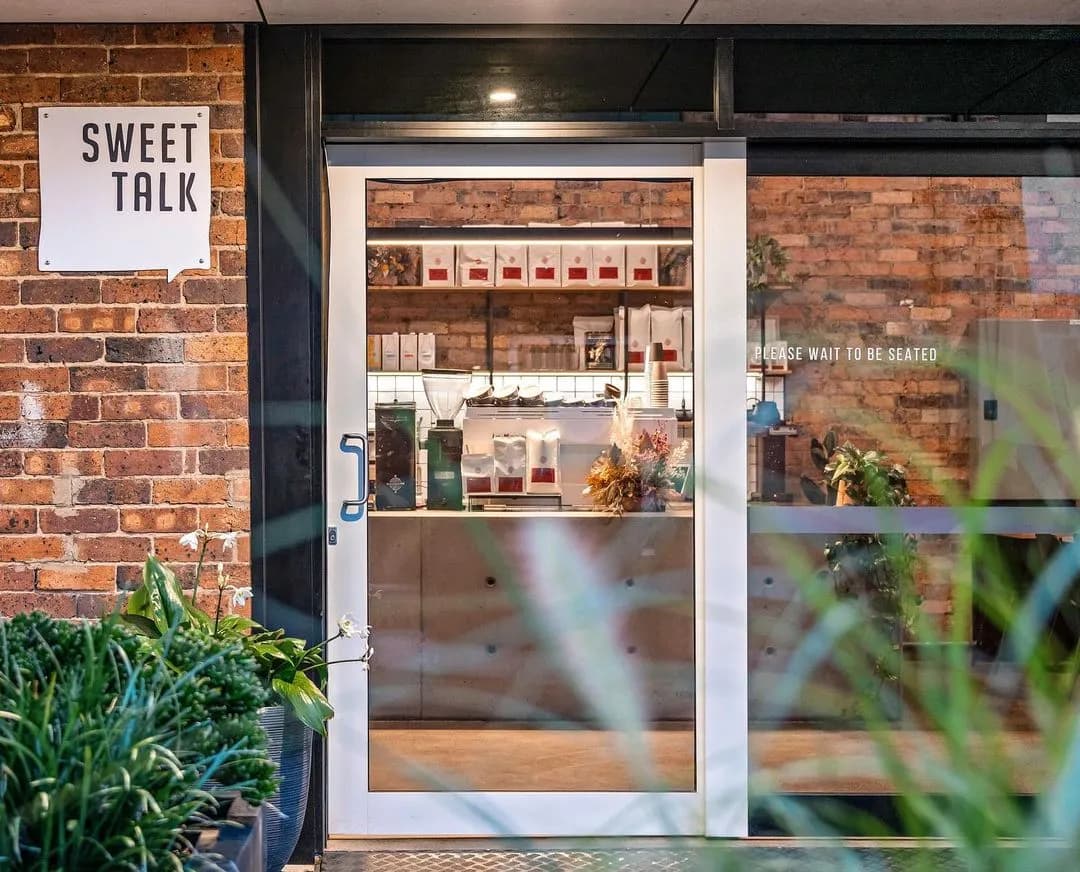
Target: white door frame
718 806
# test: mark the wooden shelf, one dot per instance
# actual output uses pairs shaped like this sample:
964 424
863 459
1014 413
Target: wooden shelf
409 289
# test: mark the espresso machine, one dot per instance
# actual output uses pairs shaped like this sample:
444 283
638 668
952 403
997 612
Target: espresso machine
445 389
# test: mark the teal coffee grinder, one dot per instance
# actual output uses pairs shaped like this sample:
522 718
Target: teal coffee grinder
445 389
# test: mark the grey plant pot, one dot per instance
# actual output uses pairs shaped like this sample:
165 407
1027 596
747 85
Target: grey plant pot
289 745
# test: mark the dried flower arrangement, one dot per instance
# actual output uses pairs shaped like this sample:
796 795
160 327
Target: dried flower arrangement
637 473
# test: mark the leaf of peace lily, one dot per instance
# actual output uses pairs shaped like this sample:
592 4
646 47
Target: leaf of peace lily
306 700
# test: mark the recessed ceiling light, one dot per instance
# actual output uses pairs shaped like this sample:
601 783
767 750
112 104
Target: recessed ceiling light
502 95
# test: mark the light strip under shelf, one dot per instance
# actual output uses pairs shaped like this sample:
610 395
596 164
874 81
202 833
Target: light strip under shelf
392 243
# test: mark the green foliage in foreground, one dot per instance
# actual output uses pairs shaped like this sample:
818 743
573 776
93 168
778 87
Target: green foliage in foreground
106 747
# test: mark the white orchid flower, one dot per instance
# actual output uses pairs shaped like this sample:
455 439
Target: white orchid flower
241 595
365 664
191 540
222 577
228 540
348 627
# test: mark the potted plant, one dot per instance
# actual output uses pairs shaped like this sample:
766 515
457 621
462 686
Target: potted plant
292 672
108 745
637 473
876 568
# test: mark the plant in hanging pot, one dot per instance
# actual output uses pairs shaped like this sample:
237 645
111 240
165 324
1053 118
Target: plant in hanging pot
637 473
293 673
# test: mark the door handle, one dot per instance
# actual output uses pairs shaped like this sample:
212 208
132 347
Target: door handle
353 510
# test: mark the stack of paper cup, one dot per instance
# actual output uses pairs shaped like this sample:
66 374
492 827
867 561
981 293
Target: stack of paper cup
658 379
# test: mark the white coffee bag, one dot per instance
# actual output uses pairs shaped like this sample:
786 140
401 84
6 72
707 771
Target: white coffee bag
545 266
577 266
609 266
476 265
511 268
438 263
391 346
641 266
510 454
543 461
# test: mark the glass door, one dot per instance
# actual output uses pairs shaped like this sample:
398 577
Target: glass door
530 500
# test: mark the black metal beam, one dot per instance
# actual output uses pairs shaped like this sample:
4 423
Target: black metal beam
283 152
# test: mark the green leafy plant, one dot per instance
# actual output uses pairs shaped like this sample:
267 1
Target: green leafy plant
877 569
106 749
766 265
293 672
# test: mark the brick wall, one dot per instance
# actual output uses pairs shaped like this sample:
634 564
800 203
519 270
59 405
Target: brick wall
123 399
896 262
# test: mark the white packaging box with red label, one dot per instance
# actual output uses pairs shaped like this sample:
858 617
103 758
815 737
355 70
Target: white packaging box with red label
407 353
425 351
609 266
577 266
438 264
511 267
545 266
641 271
476 265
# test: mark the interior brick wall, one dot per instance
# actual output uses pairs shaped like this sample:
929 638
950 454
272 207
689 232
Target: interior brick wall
123 397
897 262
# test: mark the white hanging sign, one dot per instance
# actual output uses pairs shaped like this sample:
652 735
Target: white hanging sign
124 188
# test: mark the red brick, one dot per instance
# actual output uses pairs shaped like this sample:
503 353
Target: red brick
137 407
102 379
68 407
139 290
186 378
60 290
19 520
53 604
33 379
63 463
224 519
13 61
64 350
111 549
11 351
9 292
158 520
219 461
107 435
27 320
166 434
209 349
215 290
78 520
227 231
104 491
216 406
148 60
238 378
34 434
238 433
232 319
99 89
10 463
223 59
25 492
178 320
68 60
174 34
179 89
78 576
146 461
25 549
191 490
94 320
144 349
93 34
15 577
29 89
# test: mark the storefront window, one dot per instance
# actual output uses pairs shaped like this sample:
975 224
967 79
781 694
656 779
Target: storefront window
533 634
928 323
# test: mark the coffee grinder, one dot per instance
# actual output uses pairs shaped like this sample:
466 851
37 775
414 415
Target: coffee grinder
445 389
